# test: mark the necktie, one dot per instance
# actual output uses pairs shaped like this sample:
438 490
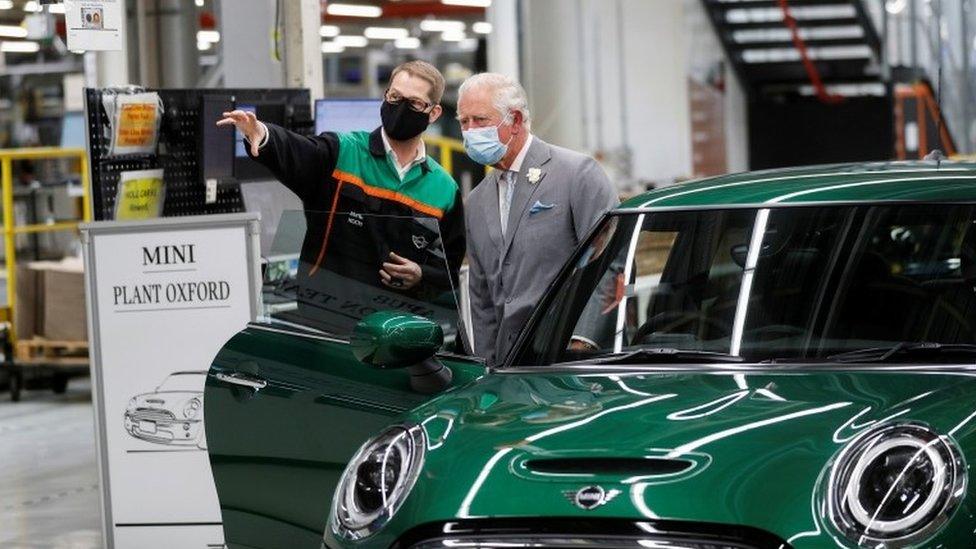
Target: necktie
509 179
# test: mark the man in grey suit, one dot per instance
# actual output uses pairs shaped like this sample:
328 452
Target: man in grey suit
526 217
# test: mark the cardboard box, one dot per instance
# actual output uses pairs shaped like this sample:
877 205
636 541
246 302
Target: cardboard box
28 298
51 300
63 317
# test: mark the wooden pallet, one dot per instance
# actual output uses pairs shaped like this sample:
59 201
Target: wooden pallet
44 351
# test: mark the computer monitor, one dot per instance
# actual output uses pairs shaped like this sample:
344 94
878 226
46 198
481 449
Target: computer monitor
217 142
73 130
239 151
347 115
246 169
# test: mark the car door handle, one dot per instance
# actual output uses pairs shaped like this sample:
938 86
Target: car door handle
243 380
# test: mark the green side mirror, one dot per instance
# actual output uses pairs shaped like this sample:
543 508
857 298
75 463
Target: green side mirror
391 339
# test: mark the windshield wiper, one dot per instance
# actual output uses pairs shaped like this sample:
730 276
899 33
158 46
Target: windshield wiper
658 355
885 354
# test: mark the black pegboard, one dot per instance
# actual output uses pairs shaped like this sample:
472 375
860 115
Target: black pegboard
177 150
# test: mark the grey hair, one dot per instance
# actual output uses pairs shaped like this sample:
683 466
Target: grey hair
508 95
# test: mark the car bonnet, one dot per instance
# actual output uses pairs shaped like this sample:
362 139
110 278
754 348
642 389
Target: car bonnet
698 445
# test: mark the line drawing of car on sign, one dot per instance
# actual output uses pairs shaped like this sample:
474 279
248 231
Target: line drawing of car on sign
172 414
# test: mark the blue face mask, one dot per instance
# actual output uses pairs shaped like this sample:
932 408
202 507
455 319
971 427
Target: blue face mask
484 146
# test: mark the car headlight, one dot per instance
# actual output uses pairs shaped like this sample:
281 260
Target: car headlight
377 481
895 484
192 408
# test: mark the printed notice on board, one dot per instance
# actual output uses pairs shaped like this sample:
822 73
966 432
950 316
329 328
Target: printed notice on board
93 24
140 195
134 120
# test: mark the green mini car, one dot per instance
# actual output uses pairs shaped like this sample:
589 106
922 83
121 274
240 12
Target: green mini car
765 360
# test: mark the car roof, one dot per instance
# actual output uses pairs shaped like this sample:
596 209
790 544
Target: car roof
921 181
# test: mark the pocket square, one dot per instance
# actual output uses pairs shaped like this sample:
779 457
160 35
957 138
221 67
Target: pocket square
540 207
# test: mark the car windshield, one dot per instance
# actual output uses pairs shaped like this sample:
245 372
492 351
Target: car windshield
184 381
777 284
323 272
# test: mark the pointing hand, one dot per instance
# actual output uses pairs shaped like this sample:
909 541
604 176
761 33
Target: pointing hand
247 124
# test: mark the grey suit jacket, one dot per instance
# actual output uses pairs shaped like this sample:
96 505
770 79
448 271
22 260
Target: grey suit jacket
507 276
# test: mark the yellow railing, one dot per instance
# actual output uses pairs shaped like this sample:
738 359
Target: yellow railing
11 230
446 147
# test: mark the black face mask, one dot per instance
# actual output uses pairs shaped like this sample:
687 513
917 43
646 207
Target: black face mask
401 122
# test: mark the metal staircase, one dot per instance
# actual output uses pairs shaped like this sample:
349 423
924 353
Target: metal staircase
811 73
838 44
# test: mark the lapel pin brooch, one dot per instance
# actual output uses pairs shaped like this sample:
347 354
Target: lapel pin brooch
535 174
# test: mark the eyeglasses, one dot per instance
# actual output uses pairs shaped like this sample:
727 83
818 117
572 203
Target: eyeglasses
419 105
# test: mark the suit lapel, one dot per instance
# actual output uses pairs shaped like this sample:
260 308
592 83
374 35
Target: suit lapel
491 210
537 157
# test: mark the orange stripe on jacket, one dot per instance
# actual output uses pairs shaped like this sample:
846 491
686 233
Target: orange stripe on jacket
328 232
387 194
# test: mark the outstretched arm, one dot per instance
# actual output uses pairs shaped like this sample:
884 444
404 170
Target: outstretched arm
302 163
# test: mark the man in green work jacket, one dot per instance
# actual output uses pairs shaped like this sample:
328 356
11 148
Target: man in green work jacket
358 187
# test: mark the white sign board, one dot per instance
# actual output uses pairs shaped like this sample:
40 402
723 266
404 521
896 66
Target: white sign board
94 24
163 297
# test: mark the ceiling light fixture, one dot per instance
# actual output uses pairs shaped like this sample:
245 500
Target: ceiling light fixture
481 27
894 7
6 4
471 3
208 36
385 33
353 10
332 47
441 25
351 41
19 47
11 31
410 43
328 31
453 36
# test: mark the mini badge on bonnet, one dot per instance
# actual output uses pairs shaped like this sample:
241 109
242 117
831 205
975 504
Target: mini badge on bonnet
590 497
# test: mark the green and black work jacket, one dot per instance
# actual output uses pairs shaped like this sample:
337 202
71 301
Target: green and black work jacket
346 181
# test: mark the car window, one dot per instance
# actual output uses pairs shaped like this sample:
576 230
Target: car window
331 287
652 253
776 283
918 247
911 278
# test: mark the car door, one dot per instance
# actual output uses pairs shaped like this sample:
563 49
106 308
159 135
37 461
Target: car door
287 403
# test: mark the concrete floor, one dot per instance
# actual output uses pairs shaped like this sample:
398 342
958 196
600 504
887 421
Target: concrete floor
48 477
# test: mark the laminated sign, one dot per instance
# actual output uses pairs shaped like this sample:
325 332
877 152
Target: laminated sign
140 196
134 121
93 24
